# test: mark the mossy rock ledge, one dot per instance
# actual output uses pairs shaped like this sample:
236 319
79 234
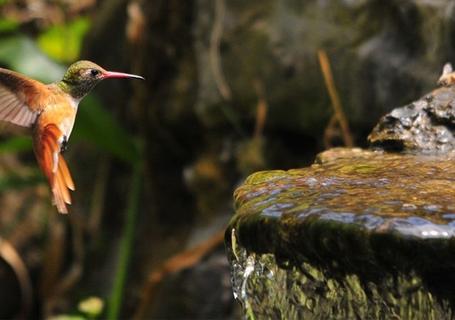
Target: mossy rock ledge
360 234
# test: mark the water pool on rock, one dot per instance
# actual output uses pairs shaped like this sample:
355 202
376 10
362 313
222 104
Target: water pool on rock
358 235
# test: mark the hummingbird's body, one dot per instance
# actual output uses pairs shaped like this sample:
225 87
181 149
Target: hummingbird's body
60 108
50 110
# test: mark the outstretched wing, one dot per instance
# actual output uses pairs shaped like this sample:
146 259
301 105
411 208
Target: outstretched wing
47 147
19 98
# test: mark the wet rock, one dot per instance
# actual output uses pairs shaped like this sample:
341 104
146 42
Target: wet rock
358 235
425 125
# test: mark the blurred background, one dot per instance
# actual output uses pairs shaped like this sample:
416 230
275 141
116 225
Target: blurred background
232 87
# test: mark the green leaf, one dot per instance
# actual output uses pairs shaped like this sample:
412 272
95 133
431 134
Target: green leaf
98 126
16 144
21 54
8 25
126 243
63 42
91 306
13 181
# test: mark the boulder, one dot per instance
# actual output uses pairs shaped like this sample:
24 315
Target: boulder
360 234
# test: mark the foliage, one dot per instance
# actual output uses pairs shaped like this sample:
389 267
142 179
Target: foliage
63 42
15 181
95 126
89 308
20 53
16 145
8 24
126 245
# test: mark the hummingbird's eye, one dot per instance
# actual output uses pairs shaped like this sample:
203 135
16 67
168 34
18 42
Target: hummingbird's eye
94 72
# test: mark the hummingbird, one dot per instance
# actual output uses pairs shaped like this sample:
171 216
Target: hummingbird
50 111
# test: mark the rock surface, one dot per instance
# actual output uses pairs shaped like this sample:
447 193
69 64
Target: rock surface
425 125
358 235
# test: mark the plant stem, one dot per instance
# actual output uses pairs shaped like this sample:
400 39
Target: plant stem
116 297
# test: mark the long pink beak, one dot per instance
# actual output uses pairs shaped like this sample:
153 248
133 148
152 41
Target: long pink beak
112 74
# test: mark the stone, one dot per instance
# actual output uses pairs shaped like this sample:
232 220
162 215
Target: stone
426 125
360 234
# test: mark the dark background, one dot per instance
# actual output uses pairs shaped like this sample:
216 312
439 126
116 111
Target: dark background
231 87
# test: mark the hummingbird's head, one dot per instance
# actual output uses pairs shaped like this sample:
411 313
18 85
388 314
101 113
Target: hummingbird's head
83 75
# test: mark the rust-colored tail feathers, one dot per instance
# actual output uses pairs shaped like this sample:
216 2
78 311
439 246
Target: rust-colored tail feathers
47 150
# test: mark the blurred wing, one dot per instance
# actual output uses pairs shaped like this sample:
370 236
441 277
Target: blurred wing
19 98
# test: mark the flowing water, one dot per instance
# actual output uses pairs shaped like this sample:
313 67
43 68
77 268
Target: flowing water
358 235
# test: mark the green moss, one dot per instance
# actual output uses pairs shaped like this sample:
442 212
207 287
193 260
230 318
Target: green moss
361 234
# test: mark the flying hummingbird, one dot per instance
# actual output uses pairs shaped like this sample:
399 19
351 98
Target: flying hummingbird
50 110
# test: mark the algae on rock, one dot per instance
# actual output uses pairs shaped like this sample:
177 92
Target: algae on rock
359 234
